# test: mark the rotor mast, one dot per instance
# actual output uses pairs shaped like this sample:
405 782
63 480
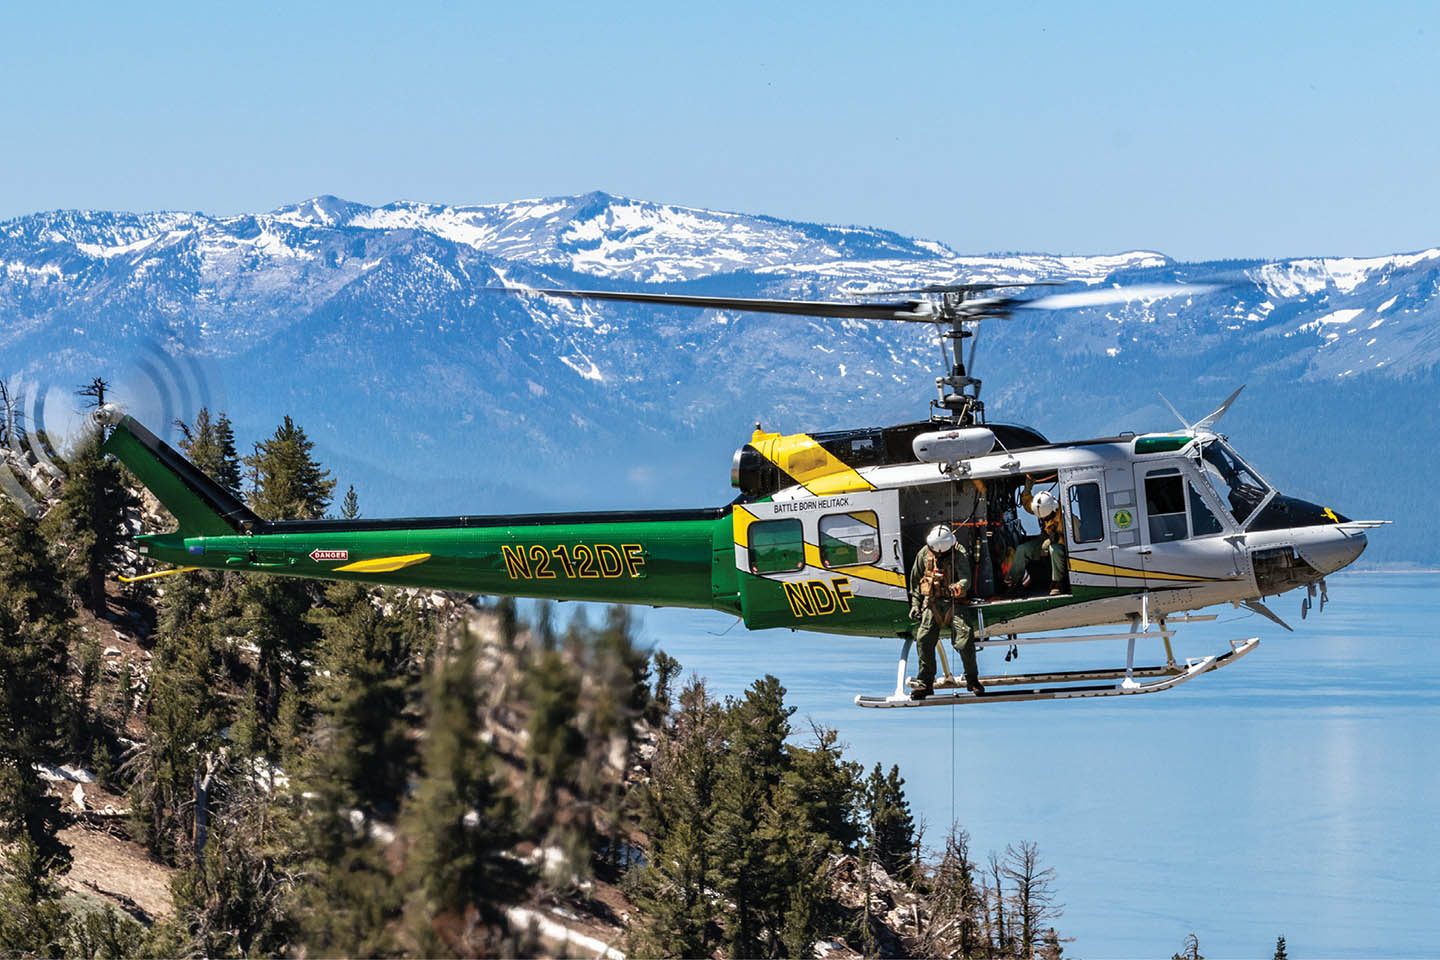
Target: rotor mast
958 317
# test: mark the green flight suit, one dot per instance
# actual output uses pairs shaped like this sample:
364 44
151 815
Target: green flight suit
1032 548
931 614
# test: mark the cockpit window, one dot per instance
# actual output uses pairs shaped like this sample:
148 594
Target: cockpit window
1241 488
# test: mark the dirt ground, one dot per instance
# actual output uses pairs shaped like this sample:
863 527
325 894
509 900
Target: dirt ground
119 871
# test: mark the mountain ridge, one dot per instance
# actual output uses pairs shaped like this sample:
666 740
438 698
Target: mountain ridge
344 313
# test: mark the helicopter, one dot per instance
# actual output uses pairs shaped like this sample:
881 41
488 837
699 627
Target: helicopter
1158 526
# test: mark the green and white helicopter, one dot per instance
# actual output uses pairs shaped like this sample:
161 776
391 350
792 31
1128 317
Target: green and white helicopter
826 525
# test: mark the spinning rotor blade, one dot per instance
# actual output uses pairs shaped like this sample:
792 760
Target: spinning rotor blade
914 311
1100 297
962 288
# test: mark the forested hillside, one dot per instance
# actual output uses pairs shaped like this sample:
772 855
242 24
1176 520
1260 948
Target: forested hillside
204 764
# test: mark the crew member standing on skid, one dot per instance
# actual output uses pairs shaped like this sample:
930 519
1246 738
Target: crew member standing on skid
938 582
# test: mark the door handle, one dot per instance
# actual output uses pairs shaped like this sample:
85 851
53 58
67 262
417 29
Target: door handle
1145 552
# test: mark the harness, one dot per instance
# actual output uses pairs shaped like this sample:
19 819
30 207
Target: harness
935 586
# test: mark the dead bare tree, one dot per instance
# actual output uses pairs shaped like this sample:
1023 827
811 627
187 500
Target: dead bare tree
995 915
1032 894
954 906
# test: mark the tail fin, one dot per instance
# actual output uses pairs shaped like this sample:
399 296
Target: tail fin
202 506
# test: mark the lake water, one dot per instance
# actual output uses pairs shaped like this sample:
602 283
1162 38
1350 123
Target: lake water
1293 792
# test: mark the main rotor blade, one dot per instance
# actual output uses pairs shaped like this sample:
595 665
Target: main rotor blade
963 288
915 311
1092 298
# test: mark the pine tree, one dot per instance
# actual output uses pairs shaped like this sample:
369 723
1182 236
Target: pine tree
87 523
355 769
666 668
103 934
674 891
360 739
210 445
827 789
1280 953
556 745
756 727
237 899
287 482
350 506
458 824
185 716
890 826
32 916
35 626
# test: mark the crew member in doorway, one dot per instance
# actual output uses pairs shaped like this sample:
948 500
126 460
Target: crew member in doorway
1049 542
938 583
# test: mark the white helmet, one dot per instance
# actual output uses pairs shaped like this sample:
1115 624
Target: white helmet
941 539
1044 503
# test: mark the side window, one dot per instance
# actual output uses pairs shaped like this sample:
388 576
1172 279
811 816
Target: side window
849 538
1087 523
1165 505
776 546
1202 521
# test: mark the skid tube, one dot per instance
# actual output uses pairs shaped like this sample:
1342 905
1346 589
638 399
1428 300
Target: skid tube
1014 690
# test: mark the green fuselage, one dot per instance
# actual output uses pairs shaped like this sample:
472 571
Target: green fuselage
673 558
670 560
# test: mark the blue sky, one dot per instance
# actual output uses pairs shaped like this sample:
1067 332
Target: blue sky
1204 131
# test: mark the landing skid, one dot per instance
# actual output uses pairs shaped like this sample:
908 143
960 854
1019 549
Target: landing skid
1064 684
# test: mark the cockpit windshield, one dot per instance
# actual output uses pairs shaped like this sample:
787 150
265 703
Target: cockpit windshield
1240 486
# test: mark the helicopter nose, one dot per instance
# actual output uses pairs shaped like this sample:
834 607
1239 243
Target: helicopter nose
1332 549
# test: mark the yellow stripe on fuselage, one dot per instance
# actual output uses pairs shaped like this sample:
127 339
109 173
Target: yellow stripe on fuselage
1110 570
384 564
811 465
862 572
742 519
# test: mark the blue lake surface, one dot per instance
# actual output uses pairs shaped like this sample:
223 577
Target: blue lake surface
1293 792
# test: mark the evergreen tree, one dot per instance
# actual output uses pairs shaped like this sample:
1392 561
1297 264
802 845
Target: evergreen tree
556 745
32 917
210 445
236 900
34 629
184 716
1280 953
667 668
360 744
891 828
350 506
756 727
87 523
459 825
103 935
287 482
827 790
674 891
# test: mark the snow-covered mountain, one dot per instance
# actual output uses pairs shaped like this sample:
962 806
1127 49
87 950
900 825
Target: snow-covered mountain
373 325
